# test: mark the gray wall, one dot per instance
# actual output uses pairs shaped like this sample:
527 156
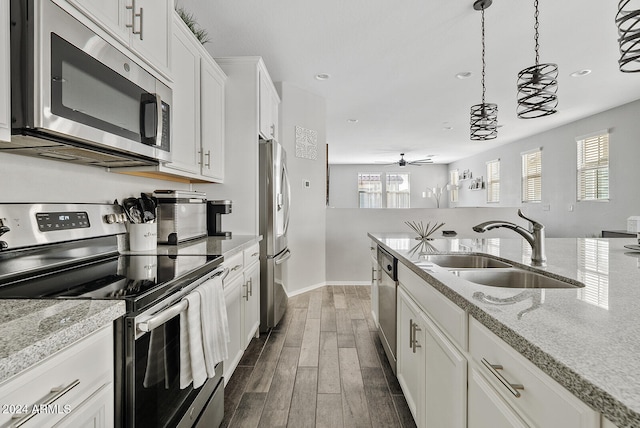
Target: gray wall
559 175
348 244
30 179
343 190
306 235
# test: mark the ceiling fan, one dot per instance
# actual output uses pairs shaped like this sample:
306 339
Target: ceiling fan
402 162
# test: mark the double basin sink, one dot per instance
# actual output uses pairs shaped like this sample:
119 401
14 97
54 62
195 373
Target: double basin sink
486 270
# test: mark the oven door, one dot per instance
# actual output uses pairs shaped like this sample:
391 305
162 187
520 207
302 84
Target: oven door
152 395
79 87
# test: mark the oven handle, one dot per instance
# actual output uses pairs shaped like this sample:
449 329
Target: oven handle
167 314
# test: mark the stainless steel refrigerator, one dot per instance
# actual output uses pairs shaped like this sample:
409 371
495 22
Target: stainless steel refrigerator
275 199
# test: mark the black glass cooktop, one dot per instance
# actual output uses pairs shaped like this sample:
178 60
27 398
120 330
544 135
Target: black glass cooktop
137 279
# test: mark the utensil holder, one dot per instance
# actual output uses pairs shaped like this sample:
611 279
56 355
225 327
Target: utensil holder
143 236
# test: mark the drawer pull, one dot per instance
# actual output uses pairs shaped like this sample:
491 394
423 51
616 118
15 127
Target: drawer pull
512 387
254 254
56 392
235 268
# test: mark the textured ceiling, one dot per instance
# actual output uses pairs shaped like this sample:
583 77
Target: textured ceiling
393 65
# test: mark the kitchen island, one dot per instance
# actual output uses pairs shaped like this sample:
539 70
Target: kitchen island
586 339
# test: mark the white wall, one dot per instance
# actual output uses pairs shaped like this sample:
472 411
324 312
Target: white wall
343 190
559 175
31 179
306 237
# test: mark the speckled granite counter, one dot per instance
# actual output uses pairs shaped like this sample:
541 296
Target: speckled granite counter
211 245
587 339
32 330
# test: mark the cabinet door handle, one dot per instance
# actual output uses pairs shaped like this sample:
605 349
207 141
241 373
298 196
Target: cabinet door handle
415 341
200 156
512 387
246 288
410 333
141 23
56 392
208 156
135 15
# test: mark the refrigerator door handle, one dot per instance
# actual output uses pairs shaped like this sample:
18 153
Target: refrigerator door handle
287 204
283 258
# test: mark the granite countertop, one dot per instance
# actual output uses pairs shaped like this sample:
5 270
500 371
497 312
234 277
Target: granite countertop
32 330
587 339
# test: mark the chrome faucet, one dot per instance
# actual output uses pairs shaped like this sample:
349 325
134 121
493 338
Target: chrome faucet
535 237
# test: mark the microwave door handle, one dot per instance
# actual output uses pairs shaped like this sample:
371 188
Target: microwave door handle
159 130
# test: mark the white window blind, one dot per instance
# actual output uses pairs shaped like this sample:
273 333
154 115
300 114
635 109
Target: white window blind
593 167
370 190
493 181
532 176
454 178
593 263
398 193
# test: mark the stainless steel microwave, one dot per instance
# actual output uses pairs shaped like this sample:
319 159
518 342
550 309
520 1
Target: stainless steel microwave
75 97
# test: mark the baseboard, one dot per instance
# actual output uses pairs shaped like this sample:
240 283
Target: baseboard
322 284
348 283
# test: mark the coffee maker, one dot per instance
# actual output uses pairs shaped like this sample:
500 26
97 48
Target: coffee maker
215 209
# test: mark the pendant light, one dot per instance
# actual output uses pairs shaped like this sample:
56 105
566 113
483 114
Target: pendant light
537 85
628 22
484 116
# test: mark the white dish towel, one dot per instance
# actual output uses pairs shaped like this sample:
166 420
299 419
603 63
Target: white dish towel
204 333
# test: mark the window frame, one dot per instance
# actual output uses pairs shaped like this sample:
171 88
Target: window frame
600 143
491 180
380 193
397 193
528 176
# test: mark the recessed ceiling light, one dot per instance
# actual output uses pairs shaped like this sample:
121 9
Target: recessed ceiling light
464 75
352 120
323 76
580 73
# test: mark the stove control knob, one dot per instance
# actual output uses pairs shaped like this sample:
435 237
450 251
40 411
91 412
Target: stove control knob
110 218
122 218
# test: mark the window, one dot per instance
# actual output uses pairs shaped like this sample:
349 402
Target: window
370 190
532 176
454 178
593 167
398 195
493 181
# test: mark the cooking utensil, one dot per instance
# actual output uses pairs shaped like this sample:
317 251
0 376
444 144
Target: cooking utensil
148 206
133 209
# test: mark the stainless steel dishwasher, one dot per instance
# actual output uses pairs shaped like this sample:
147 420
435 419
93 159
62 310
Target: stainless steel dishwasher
387 297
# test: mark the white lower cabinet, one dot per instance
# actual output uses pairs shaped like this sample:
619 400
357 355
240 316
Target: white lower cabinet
486 408
242 299
232 298
251 295
534 396
431 371
375 277
411 361
73 387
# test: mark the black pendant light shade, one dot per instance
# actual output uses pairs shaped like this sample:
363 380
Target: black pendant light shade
628 22
484 116
537 85
484 121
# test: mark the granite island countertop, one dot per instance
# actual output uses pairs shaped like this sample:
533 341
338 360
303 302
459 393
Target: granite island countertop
587 339
32 330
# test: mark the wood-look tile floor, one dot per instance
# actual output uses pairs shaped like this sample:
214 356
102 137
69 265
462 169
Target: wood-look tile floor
322 366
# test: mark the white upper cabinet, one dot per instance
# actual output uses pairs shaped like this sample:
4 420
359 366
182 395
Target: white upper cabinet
212 82
5 74
186 100
269 105
144 26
